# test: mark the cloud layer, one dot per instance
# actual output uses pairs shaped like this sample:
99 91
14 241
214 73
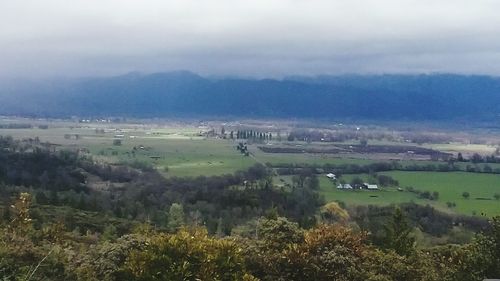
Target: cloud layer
262 38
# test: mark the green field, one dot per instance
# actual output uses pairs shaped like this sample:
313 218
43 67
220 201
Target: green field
183 157
449 185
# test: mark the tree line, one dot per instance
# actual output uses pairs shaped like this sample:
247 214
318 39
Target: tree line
251 134
451 166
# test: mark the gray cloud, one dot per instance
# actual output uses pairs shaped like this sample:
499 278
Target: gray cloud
41 38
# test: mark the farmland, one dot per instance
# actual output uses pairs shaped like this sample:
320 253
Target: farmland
187 149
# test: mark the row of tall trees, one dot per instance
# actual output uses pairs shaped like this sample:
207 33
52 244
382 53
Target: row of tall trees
250 134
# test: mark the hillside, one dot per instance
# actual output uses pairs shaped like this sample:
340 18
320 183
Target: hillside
410 97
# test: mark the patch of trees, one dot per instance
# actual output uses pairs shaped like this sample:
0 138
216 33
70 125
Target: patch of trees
429 220
22 164
223 202
434 195
477 158
385 180
113 173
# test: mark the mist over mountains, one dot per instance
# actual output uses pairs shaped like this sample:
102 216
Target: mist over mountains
184 94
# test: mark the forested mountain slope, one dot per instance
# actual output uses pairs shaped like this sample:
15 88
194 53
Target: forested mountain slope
412 97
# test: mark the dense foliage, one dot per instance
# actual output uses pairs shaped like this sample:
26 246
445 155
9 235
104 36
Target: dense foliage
280 250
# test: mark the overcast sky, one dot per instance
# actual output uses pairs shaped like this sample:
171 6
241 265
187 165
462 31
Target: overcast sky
261 38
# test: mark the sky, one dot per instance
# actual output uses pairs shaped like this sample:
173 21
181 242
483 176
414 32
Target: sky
254 38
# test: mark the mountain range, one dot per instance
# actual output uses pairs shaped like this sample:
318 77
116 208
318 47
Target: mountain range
181 93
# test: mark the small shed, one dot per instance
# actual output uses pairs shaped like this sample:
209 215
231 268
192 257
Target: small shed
331 176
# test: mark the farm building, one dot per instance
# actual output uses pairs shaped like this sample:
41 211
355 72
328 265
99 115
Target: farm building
344 186
370 186
331 176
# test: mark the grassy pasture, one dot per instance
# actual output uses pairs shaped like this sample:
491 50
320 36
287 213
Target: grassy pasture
450 186
183 157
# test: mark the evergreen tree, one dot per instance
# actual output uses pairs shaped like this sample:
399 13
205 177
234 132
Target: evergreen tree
398 234
175 216
219 232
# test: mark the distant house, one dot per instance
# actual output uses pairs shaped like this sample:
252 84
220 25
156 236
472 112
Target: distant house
344 186
371 186
331 176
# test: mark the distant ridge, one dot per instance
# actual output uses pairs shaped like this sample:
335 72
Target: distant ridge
182 93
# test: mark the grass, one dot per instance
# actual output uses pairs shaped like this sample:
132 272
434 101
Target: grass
449 185
183 157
